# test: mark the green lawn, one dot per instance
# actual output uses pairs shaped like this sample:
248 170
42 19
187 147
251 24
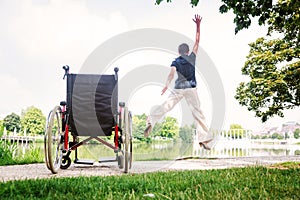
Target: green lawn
234 183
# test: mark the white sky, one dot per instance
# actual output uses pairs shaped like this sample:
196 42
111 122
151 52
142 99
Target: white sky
37 37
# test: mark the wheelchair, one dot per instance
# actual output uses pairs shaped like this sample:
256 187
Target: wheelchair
91 111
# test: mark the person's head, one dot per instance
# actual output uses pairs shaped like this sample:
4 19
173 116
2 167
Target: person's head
183 49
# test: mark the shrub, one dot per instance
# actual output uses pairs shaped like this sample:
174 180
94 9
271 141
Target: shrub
6 153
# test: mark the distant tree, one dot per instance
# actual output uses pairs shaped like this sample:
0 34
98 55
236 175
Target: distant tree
169 128
264 137
1 127
138 126
12 122
286 136
156 131
277 136
297 133
255 137
186 133
33 121
236 131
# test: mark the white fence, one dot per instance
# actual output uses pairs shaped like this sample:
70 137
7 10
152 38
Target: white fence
238 143
20 139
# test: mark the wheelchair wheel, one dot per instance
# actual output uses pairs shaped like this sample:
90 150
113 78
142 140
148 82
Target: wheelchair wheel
66 162
53 140
128 140
120 160
46 143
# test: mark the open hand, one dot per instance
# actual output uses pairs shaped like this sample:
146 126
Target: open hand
197 20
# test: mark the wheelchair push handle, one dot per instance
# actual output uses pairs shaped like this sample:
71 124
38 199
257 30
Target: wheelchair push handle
116 69
66 68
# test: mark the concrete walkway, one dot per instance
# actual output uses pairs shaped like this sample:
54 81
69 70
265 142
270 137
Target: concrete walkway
37 171
214 163
223 163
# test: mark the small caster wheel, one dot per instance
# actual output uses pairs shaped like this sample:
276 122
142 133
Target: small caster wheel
121 161
66 162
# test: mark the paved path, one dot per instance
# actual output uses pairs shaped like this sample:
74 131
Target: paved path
33 171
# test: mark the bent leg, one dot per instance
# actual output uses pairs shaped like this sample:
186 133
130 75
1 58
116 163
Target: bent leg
193 101
159 111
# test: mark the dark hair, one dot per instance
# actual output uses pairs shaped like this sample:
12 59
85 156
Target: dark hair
183 49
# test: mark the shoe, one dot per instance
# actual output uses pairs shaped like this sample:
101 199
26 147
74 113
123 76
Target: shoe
207 145
148 130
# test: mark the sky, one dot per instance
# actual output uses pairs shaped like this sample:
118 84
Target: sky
38 37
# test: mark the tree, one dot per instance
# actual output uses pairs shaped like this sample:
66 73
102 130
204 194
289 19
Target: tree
1 128
12 122
156 131
236 131
297 133
33 121
193 2
138 127
282 15
169 128
277 136
186 133
273 65
272 87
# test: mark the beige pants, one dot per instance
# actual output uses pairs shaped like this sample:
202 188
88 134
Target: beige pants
191 96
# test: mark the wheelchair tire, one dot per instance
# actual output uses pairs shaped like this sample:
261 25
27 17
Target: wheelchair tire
46 143
128 140
121 161
66 162
53 140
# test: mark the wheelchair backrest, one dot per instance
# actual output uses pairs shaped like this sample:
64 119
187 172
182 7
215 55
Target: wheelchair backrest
92 102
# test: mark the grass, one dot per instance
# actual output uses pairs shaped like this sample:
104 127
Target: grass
9 155
32 155
234 183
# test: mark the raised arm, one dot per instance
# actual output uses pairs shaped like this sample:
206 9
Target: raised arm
197 20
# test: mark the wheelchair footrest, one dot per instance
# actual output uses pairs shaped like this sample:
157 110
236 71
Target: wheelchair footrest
110 159
84 162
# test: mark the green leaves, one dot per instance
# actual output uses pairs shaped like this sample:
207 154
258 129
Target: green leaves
193 2
168 128
246 10
33 121
12 122
273 67
285 18
138 126
282 16
186 133
159 1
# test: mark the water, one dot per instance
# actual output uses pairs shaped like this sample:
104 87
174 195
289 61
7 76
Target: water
168 150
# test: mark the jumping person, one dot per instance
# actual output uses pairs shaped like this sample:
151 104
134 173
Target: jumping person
185 86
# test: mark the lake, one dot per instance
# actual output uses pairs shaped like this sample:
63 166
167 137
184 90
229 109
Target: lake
169 150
